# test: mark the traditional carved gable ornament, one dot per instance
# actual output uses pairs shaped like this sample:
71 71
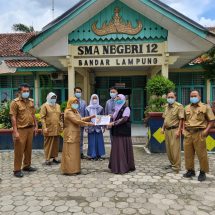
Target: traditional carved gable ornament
117 26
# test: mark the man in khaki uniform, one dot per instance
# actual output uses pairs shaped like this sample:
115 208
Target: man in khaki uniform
198 121
173 121
50 114
24 123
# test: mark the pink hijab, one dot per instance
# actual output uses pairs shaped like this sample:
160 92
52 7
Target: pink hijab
118 108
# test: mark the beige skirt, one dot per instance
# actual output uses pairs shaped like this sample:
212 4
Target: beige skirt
51 147
71 161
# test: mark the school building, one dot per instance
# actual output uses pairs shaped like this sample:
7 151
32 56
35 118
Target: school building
102 43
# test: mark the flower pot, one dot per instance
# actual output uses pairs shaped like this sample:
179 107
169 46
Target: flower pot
6 140
210 141
156 140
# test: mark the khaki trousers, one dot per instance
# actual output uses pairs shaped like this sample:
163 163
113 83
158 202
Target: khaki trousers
195 142
51 147
23 146
173 148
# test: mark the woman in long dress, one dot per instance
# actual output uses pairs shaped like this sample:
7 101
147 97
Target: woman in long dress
50 114
121 157
71 160
96 147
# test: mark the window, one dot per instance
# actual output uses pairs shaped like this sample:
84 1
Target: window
187 81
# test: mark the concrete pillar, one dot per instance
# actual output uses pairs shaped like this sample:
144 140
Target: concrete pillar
208 90
71 80
165 70
36 90
85 85
165 66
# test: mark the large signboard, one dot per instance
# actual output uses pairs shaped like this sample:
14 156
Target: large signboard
113 55
119 61
118 49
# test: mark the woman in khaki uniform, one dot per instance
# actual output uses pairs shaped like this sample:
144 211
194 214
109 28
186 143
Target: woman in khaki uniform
50 117
71 161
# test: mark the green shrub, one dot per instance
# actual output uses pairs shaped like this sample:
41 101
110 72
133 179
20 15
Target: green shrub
5 121
159 86
155 105
63 106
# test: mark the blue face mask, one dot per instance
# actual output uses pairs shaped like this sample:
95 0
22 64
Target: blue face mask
194 100
120 102
171 101
78 95
25 95
75 106
52 101
113 95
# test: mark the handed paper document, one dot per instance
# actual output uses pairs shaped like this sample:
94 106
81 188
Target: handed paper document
102 120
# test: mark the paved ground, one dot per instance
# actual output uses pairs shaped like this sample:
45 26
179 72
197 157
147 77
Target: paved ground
148 190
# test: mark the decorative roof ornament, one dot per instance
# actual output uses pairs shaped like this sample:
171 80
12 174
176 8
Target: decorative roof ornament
117 26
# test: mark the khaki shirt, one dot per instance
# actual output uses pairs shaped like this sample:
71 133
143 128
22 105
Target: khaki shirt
72 126
198 116
173 114
23 111
50 118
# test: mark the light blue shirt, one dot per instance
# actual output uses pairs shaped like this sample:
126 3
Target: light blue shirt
110 107
82 107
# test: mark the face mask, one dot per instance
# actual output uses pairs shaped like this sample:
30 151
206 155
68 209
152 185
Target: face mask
52 101
78 95
170 101
194 100
25 95
120 102
75 106
113 95
94 101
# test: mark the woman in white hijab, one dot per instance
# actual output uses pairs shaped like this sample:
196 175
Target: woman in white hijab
51 124
96 147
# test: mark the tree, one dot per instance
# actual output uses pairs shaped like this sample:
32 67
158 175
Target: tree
22 28
208 63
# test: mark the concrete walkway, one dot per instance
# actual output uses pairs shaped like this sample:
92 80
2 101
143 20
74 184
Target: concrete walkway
148 190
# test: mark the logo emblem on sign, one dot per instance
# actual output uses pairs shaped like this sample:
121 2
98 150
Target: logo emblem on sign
117 26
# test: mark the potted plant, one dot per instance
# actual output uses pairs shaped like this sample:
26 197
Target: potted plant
157 88
6 130
6 141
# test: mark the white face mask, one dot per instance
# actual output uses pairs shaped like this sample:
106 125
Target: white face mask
52 101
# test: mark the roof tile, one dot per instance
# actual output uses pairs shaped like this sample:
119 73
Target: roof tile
10 44
26 63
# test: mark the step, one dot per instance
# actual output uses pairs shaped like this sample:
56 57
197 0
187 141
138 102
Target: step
136 140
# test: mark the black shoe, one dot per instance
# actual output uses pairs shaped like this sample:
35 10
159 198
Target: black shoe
202 176
18 174
83 156
48 163
189 174
56 161
168 167
29 169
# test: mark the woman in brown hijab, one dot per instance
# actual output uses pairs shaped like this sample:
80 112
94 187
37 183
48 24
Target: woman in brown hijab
71 161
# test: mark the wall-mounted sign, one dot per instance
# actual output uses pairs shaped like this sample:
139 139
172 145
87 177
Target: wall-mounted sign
118 49
120 85
119 61
117 26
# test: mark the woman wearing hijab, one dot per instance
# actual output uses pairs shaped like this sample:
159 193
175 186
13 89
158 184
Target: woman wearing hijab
96 147
71 160
121 157
50 117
